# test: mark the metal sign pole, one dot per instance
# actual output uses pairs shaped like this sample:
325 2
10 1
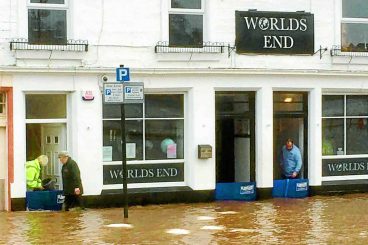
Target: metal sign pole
123 152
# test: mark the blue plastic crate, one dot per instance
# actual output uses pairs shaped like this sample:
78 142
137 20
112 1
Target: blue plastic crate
44 200
245 191
294 188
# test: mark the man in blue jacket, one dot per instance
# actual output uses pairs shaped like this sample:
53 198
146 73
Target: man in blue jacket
291 160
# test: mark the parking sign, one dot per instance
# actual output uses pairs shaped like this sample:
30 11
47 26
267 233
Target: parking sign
122 74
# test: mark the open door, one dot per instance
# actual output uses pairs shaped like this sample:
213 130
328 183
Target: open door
290 121
235 161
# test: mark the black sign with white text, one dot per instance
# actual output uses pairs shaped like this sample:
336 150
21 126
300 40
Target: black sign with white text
144 173
341 167
274 32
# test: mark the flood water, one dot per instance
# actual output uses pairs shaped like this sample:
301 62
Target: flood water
314 220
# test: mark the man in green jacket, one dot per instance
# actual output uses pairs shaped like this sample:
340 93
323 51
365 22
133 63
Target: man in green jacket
33 172
72 183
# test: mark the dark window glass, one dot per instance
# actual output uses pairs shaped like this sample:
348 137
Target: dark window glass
356 136
186 4
164 106
47 26
357 105
160 134
112 137
354 8
185 30
44 106
354 37
332 136
131 111
332 105
286 102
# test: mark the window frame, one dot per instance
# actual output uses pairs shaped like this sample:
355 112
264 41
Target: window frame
144 119
3 104
183 11
345 117
348 20
49 6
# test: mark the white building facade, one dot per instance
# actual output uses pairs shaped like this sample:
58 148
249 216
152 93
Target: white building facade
234 77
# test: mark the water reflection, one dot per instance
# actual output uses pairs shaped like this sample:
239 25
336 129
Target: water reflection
317 220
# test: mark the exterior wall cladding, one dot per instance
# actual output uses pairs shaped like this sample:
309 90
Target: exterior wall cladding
128 32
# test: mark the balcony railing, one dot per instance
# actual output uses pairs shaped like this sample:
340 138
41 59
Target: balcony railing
206 47
71 45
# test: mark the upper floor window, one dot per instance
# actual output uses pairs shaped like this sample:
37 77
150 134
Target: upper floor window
186 23
47 22
354 26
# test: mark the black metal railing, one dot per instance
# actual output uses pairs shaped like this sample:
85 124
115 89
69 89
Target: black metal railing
337 51
70 45
206 47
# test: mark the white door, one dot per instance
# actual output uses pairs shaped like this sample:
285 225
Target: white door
3 169
53 141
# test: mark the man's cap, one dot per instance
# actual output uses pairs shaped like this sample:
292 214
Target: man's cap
63 154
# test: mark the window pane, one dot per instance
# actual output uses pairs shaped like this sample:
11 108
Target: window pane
164 139
357 105
112 137
356 136
332 136
186 4
48 1
164 106
285 102
186 30
114 111
354 8
47 26
354 37
43 106
332 105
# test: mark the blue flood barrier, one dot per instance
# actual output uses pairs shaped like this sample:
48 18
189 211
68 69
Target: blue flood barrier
290 188
44 200
245 191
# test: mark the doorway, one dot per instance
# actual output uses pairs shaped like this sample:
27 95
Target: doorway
290 121
235 136
47 139
3 169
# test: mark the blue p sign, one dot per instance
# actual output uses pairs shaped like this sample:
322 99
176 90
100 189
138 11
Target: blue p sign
122 74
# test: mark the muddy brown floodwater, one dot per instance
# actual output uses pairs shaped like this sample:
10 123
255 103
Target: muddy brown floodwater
314 220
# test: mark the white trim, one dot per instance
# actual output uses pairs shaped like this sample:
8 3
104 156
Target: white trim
136 162
41 121
350 177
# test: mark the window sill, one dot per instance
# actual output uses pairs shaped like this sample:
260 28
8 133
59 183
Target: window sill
70 46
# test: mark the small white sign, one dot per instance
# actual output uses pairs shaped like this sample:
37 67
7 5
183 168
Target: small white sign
107 153
113 93
130 150
133 92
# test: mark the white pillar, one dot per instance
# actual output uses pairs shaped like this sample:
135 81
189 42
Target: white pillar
315 138
264 138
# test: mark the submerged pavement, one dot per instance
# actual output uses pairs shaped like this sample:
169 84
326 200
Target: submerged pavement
313 220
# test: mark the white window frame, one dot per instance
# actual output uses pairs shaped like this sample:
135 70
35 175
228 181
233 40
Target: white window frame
3 105
144 119
344 117
166 8
49 6
342 20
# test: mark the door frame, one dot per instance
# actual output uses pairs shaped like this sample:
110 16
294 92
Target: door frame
248 115
305 116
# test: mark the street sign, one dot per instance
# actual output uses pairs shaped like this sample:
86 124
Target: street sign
133 92
122 74
113 93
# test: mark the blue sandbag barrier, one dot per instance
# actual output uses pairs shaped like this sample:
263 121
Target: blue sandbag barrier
245 191
44 200
290 188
